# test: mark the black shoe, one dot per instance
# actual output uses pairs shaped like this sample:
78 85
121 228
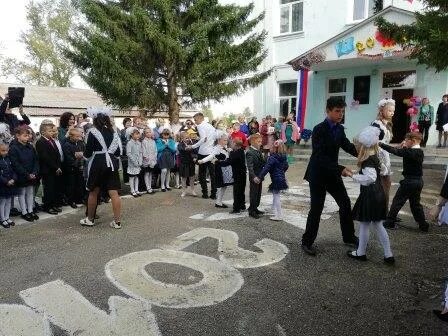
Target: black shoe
259 212
37 207
389 260
439 146
28 217
235 212
163 190
310 250
11 223
243 208
58 209
390 224
222 206
424 227
356 256
14 212
35 217
443 317
52 211
5 224
134 195
213 197
73 205
254 215
204 196
168 189
353 242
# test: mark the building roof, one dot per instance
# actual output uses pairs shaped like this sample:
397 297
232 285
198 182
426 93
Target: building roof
49 101
317 49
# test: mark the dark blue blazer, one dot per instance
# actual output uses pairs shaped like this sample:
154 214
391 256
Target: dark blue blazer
324 159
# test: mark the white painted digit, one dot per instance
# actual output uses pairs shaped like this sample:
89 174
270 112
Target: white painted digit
18 320
69 310
219 281
230 252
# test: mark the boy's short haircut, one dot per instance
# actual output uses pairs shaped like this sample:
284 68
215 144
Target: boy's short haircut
71 131
414 136
125 120
445 96
255 136
335 102
45 127
238 142
22 130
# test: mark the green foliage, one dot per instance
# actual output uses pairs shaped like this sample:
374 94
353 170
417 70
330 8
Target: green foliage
428 36
51 22
164 54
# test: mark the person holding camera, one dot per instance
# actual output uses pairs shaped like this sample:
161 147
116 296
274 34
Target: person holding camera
8 117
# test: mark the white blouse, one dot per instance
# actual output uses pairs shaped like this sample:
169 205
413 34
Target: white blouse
367 177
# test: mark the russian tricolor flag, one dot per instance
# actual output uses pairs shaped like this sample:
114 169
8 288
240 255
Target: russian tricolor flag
302 93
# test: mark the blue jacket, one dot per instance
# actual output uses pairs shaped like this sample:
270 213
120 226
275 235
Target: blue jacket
24 161
6 171
161 146
276 166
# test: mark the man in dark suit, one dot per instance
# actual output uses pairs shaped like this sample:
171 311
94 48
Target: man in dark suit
50 167
324 175
255 163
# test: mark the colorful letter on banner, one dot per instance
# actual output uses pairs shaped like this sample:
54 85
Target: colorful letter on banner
302 94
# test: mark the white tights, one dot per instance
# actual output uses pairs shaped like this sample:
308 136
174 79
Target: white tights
364 230
165 178
277 205
5 208
26 199
148 180
184 183
220 195
133 183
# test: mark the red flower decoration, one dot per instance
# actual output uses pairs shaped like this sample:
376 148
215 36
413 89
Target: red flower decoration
385 42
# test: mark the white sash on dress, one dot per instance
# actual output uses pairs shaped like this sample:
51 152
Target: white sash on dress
116 143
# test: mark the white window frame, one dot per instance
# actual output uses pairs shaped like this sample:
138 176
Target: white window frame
351 9
280 98
338 94
289 5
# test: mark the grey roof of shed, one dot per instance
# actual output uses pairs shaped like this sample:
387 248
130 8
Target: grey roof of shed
56 97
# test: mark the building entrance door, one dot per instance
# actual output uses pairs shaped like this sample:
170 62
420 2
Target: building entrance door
401 121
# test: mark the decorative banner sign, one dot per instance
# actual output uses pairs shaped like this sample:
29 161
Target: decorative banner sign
345 47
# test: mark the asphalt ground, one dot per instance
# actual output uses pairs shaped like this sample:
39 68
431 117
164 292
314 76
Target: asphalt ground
298 295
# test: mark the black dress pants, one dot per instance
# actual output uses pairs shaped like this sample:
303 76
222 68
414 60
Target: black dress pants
239 188
410 189
51 193
318 189
203 168
424 130
254 196
75 186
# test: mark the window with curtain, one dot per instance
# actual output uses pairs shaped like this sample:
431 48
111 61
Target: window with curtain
291 16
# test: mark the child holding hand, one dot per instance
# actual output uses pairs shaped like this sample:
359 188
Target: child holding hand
276 166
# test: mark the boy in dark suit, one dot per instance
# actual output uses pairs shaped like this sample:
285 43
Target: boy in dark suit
255 163
412 184
324 175
238 162
50 167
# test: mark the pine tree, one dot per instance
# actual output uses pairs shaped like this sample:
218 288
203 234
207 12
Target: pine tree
164 54
427 37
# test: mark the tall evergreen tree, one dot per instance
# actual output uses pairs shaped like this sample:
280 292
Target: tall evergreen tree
163 54
427 37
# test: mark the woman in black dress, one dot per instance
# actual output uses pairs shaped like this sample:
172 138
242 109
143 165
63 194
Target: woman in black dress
442 119
103 150
370 208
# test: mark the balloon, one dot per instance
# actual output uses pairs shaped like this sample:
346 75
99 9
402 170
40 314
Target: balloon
406 101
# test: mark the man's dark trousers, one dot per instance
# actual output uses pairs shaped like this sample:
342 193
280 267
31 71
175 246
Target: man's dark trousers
410 189
318 189
203 176
254 196
50 196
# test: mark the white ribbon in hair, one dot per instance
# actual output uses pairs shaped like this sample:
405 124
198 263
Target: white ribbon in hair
385 101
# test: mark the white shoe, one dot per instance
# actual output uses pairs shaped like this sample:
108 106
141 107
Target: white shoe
193 193
183 194
276 219
115 225
178 187
86 222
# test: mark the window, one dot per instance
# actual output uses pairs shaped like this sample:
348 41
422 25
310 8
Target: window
361 90
399 79
360 10
291 16
337 87
288 98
